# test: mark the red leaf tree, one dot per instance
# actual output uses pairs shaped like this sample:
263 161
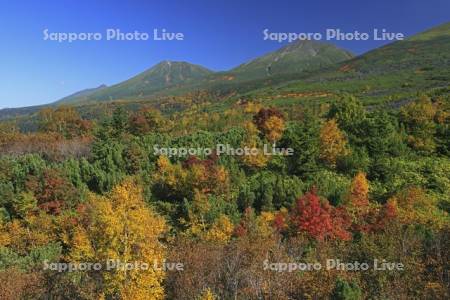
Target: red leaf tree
319 219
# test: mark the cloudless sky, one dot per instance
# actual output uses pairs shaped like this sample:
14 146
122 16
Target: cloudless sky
217 34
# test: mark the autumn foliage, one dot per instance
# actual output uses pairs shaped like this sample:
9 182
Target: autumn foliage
358 196
270 123
319 219
53 191
333 143
63 120
204 175
121 227
81 189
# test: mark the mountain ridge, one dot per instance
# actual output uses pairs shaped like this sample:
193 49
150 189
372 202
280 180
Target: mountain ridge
80 94
166 75
159 76
308 55
422 61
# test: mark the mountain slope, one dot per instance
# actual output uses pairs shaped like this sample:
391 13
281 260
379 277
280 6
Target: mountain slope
293 58
81 95
429 49
392 74
168 78
161 76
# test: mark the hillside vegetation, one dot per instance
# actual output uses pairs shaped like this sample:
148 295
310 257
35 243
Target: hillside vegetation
367 181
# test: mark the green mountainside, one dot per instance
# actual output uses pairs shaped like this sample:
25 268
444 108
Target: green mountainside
81 95
159 77
392 74
293 58
168 77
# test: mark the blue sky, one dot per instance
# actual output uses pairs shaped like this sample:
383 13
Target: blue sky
217 34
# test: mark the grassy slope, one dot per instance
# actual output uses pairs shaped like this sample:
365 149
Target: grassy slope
391 74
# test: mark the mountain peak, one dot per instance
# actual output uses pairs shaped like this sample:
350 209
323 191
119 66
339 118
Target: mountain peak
174 63
299 56
169 72
163 75
179 64
295 57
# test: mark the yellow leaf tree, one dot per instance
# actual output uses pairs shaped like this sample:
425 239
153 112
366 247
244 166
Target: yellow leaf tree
220 231
271 123
358 196
416 206
258 159
207 295
124 229
418 117
333 143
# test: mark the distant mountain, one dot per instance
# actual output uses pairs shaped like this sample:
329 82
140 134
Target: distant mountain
81 95
163 75
10 113
424 51
393 74
293 58
171 77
